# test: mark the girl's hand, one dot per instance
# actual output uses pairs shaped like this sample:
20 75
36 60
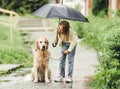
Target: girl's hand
56 41
66 52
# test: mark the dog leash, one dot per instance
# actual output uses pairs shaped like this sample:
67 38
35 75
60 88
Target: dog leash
56 58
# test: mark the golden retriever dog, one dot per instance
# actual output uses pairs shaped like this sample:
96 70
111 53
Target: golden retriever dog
40 70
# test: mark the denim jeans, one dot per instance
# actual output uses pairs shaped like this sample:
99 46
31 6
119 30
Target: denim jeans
63 60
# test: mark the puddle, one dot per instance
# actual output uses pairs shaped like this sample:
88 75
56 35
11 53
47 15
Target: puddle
88 77
87 81
20 73
14 77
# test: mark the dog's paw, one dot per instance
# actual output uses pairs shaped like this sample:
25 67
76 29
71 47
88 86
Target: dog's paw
35 81
47 80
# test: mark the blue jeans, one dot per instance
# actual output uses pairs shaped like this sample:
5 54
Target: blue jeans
63 60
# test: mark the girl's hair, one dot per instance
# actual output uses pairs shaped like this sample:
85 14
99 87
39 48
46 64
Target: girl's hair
66 27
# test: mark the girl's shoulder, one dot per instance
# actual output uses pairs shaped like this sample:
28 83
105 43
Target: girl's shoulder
72 31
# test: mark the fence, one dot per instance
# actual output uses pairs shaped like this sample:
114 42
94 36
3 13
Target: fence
13 19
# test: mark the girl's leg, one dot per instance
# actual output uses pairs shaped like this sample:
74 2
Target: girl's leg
71 62
62 65
62 61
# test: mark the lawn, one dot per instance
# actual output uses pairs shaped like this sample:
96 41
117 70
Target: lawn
13 51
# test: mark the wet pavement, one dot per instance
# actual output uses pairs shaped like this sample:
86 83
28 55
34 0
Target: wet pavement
84 67
9 67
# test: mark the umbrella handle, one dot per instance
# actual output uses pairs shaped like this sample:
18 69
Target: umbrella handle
54 44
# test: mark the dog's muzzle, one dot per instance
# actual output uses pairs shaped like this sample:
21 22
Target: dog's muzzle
43 48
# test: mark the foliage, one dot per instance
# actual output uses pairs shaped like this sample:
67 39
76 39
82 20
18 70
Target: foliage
77 26
100 7
13 51
15 55
22 6
3 72
103 34
118 13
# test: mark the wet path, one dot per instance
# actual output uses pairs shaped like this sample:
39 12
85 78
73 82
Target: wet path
85 61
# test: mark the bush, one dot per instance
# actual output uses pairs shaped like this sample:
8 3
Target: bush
22 6
100 7
77 26
103 34
118 13
110 62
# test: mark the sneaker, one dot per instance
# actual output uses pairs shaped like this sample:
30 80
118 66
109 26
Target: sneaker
59 79
69 80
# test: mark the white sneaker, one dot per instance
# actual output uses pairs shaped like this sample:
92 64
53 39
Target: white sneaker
69 80
59 79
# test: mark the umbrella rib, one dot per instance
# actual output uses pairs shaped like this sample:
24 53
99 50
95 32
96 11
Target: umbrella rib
68 14
86 20
49 12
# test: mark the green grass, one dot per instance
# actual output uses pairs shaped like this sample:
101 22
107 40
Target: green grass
13 51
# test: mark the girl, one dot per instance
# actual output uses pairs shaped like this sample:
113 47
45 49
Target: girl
68 41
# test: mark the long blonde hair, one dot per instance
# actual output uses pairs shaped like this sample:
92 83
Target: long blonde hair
66 27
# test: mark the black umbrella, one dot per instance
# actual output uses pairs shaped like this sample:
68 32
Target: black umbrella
60 11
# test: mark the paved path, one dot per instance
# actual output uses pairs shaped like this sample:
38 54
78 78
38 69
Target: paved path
85 62
8 67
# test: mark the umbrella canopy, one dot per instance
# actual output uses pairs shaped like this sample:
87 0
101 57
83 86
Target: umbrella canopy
60 11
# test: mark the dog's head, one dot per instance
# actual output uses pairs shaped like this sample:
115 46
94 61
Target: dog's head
42 44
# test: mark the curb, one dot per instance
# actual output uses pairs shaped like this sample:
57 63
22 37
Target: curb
7 68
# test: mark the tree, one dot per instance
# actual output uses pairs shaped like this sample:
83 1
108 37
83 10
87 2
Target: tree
22 6
100 7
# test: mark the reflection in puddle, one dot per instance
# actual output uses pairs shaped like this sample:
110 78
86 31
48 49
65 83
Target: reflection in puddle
20 73
14 77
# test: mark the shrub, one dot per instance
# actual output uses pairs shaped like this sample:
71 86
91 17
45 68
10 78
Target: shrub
22 6
77 26
118 13
103 34
100 7
109 70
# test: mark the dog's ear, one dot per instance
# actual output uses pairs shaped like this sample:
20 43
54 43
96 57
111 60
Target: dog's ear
36 45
